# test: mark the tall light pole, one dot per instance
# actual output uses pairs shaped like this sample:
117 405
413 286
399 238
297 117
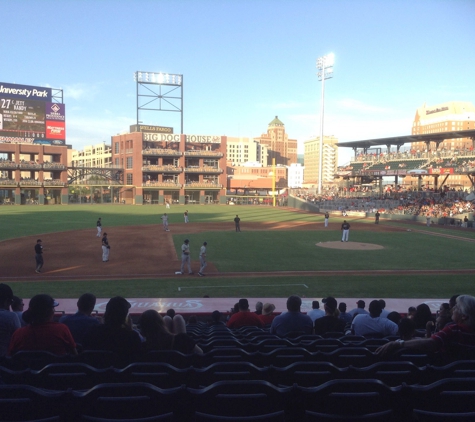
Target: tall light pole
325 71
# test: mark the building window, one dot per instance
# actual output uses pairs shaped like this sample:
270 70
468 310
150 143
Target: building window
129 179
116 146
129 162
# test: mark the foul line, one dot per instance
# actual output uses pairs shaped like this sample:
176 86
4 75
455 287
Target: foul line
240 285
63 269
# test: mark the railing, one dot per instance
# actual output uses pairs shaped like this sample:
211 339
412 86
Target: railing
162 185
168 168
30 166
203 170
8 164
196 153
54 182
203 185
30 183
56 166
160 151
8 182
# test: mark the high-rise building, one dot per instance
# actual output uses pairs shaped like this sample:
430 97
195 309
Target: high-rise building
242 150
446 117
280 147
312 160
99 155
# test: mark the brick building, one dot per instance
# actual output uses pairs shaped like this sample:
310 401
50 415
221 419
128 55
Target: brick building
278 144
171 168
33 174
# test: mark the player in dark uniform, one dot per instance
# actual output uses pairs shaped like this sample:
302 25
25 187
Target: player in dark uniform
345 228
237 221
376 217
39 255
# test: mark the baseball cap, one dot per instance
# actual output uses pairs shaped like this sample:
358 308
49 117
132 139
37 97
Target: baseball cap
186 241
118 304
243 304
39 307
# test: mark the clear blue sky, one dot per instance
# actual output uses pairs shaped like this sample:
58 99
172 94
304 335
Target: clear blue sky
244 62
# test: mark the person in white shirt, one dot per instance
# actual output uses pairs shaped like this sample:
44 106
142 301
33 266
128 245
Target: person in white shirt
373 324
316 312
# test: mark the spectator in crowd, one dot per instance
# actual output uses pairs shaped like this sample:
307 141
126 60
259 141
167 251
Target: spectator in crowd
267 313
259 306
157 336
116 334
384 312
80 323
9 321
406 328
331 321
360 309
17 307
292 322
234 310
394 317
443 317
42 333
244 317
345 316
423 316
216 319
316 312
373 325
451 340
411 312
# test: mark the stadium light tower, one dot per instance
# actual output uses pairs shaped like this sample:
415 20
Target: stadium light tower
325 71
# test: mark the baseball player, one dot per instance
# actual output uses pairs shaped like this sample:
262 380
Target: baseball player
202 259
99 227
185 257
164 219
345 229
327 216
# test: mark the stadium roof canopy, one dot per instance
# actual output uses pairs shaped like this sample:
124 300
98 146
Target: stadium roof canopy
401 140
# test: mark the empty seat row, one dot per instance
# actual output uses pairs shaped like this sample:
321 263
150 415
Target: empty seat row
79 376
336 400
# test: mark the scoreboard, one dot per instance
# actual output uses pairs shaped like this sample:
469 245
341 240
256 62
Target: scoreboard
25 120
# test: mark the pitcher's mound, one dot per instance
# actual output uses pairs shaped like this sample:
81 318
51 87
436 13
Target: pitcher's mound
349 245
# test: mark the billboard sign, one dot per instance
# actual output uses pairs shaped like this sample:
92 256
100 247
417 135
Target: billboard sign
25 92
150 129
23 121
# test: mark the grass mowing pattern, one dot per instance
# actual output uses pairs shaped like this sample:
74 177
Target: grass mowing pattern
257 251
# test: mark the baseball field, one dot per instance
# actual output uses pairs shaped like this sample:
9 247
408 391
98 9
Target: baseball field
279 252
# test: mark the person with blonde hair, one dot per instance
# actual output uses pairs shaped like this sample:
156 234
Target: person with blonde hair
158 337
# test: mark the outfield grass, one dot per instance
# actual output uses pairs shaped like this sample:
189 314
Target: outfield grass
259 251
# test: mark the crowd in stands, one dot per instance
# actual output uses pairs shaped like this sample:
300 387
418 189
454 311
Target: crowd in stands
247 342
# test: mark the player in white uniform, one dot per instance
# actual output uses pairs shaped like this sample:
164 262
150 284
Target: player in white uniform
202 259
185 257
164 218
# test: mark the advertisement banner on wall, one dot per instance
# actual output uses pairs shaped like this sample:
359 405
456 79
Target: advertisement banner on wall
55 130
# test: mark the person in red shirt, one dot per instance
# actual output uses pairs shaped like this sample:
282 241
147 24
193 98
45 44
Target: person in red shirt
267 313
244 317
451 339
42 333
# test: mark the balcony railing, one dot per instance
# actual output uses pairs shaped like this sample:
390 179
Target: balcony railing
167 169
161 151
54 166
166 185
8 165
202 185
8 182
195 153
28 182
54 182
34 166
203 170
